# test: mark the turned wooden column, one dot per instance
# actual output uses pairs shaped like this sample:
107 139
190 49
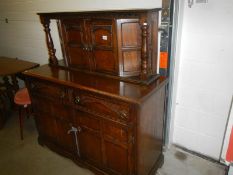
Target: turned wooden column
52 57
144 51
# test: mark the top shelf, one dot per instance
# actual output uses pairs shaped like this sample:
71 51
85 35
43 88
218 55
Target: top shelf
58 14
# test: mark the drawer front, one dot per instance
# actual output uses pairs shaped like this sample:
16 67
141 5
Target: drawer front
115 133
102 106
49 90
88 122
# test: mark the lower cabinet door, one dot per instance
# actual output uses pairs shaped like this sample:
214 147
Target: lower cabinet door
64 123
118 144
46 126
54 120
89 138
116 158
104 144
90 147
65 139
45 122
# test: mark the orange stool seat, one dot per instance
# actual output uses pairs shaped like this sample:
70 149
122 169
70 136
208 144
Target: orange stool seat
22 99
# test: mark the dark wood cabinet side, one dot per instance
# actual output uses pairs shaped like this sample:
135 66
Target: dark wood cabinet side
150 133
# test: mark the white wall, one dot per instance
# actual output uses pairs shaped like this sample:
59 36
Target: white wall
204 76
23 36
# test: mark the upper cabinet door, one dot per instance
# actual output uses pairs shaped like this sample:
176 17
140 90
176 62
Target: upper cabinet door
102 39
74 43
129 46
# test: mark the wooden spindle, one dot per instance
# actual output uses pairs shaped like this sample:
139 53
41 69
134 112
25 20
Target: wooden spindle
52 57
144 51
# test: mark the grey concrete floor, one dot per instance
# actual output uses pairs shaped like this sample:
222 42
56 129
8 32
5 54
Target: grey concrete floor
28 158
179 162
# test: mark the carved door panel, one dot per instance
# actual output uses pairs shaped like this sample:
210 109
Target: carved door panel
118 143
53 120
46 126
102 39
65 139
129 46
45 122
74 40
89 138
64 122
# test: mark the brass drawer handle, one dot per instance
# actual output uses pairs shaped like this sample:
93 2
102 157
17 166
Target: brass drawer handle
77 100
123 114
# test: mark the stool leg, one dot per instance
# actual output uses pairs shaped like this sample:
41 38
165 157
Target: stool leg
21 122
27 111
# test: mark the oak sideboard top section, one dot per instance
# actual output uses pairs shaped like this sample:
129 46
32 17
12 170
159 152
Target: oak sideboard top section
121 43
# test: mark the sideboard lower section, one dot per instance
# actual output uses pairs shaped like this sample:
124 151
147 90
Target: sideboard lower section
101 132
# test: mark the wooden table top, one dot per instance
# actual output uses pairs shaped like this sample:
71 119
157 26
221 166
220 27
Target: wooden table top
9 66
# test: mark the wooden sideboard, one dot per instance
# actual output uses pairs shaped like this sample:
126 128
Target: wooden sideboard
103 106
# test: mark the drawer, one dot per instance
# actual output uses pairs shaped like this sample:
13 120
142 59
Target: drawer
88 121
101 105
42 105
49 90
115 133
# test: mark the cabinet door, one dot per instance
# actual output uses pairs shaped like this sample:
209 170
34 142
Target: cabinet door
102 39
63 115
129 46
54 120
89 138
118 143
45 122
74 40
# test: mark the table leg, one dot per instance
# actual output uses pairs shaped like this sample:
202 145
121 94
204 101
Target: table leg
10 89
15 82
